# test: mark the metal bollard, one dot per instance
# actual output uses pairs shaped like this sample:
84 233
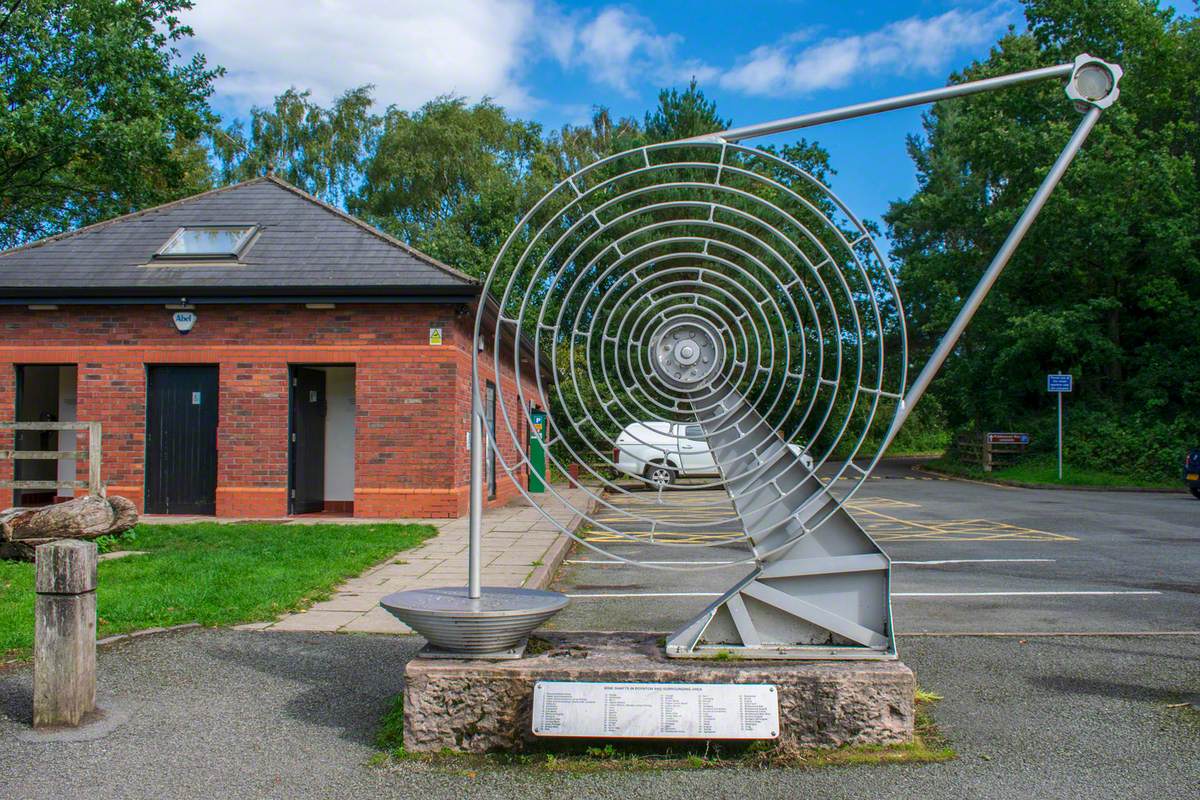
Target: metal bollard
64 650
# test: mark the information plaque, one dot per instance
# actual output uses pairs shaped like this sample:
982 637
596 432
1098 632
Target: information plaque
656 710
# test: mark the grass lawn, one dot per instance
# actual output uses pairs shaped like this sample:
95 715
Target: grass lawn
1045 471
212 573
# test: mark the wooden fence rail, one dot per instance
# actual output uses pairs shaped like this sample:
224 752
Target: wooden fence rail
93 484
990 450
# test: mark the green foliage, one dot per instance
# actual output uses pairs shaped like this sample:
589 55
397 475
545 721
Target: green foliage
1107 281
680 115
390 736
452 179
1043 470
99 114
110 542
214 574
321 150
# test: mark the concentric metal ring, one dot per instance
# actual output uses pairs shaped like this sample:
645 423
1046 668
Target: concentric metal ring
652 282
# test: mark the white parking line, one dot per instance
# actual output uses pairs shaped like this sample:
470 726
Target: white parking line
615 561
1017 594
590 596
974 561
642 594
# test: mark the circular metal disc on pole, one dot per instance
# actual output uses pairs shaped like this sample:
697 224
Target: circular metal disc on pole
452 621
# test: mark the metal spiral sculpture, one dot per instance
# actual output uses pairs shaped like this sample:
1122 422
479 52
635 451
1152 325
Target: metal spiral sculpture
717 285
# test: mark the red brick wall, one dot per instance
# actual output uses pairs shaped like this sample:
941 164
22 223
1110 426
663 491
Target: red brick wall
252 437
412 399
112 391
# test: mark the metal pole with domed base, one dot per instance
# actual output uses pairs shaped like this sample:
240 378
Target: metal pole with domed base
475 621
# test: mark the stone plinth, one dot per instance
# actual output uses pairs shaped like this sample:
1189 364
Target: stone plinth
479 706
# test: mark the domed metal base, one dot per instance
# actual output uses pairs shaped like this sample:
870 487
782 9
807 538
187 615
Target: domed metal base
499 620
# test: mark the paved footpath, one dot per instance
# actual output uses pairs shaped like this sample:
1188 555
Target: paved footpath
520 548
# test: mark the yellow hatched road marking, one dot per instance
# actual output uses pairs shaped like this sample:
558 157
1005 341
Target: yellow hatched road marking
870 512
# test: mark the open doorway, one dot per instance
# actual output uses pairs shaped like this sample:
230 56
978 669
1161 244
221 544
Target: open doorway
321 440
45 393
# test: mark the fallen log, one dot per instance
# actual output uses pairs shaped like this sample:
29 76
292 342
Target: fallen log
89 517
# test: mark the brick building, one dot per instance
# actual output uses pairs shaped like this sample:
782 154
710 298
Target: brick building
249 351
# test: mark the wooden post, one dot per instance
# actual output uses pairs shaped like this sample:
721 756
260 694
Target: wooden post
64 649
95 486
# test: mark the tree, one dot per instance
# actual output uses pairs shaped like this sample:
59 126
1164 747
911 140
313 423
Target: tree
681 115
321 150
573 147
99 114
452 179
1104 282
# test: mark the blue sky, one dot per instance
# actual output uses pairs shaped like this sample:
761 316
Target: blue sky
552 60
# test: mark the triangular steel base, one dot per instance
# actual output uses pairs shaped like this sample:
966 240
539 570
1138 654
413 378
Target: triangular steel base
818 592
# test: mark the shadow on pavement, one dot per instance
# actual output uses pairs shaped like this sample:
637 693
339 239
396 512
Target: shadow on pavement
346 690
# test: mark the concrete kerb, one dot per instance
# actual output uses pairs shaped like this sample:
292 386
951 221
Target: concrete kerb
542 575
120 637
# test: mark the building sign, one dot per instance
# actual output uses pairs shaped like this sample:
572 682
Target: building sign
656 710
184 320
435 336
1058 383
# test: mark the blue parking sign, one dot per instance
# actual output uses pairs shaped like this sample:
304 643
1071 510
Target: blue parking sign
1058 383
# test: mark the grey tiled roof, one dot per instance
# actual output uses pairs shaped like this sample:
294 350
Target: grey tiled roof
304 246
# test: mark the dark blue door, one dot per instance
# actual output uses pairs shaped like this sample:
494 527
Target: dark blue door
181 440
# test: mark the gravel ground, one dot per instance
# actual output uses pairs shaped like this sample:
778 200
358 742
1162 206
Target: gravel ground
221 713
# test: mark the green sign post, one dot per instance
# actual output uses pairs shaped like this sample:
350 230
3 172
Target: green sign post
537 451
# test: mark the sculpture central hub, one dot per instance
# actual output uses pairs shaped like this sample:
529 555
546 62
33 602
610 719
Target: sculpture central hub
686 351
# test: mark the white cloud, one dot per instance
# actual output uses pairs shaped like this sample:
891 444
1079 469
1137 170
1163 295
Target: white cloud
414 50
617 47
910 46
411 50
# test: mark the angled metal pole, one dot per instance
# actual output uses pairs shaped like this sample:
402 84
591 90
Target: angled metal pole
888 104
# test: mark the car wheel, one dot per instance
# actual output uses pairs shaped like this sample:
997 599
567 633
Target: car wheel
1196 492
660 474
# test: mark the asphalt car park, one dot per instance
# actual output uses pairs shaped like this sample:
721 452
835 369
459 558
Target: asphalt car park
966 557
1061 628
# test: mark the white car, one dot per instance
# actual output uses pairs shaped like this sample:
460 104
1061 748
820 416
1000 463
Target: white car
662 452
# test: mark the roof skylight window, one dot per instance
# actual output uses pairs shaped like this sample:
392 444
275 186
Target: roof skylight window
208 241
